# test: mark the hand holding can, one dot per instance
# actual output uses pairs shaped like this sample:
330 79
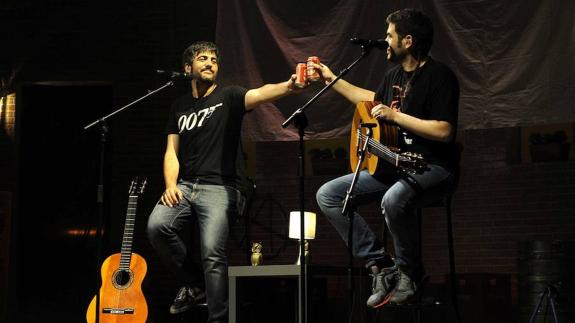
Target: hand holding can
312 73
301 75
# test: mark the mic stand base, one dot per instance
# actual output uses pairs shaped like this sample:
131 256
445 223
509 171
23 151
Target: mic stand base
550 295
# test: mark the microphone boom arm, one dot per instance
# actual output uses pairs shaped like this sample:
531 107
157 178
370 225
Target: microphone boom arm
170 83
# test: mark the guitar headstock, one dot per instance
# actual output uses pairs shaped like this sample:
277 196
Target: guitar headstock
138 184
411 162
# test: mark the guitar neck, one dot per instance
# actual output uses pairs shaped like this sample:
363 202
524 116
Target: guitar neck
127 240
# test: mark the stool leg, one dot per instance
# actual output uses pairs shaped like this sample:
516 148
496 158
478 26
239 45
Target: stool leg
419 306
419 233
452 271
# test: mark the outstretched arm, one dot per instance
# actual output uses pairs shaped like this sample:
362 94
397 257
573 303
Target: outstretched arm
268 93
351 92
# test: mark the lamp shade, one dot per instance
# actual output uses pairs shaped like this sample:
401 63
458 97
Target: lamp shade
294 225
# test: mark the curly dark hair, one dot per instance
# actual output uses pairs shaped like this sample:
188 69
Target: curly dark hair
417 24
199 47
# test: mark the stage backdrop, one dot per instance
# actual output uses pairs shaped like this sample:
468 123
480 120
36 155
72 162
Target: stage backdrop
514 59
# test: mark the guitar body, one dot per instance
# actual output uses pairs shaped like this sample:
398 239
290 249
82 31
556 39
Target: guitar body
121 297
383 132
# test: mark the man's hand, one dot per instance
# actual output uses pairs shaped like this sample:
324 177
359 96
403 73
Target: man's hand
324 71
383 112
291 84
172 196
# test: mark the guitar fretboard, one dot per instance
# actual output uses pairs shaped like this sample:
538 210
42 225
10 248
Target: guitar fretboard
380 150
407 162
129 226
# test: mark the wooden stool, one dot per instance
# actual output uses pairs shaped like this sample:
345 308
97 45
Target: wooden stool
446 204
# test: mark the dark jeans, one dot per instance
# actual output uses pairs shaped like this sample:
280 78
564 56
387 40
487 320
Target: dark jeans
212 206
399 196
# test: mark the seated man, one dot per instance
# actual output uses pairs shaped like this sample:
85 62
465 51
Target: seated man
427 121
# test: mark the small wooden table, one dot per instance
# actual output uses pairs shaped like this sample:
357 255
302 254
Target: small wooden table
275 271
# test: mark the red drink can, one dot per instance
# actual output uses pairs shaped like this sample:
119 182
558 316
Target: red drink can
312 73
300 75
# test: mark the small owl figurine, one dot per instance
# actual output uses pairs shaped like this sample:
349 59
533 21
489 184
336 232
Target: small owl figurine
257 256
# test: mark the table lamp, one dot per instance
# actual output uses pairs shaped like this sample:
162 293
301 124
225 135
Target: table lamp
294 231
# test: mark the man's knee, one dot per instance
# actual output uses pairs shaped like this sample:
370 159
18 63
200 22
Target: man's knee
386 202
157 226
327 197
153 229
320 195
389 205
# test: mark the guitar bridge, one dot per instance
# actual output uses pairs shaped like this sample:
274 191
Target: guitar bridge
118 311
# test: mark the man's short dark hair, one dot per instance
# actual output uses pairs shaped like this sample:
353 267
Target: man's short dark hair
417 24
199 47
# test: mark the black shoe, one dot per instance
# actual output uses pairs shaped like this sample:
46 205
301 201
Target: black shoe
381 286
187 298
404 291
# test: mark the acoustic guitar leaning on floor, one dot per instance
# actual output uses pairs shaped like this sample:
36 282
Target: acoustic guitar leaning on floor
121 297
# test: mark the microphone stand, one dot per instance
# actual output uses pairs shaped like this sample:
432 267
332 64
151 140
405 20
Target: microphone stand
300 121
349 210
101 122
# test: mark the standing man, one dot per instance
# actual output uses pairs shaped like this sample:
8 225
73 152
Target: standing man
201 177
427 120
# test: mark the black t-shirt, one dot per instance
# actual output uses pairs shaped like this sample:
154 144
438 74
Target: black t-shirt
209 130
433 94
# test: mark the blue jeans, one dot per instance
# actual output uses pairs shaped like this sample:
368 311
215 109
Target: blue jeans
212 206
399 195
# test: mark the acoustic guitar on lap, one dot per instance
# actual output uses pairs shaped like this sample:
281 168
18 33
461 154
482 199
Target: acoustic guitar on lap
382 145
121 297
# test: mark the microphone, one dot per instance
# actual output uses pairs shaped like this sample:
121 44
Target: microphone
370 43
175 75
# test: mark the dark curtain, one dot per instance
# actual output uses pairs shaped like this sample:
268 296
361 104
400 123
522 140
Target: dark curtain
514 59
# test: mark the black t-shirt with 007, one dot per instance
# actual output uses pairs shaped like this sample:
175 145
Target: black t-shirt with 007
432 94
209 130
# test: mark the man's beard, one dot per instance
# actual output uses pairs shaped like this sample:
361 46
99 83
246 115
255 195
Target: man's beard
394 58
201 79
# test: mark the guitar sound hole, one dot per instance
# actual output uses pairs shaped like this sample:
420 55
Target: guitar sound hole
122 277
